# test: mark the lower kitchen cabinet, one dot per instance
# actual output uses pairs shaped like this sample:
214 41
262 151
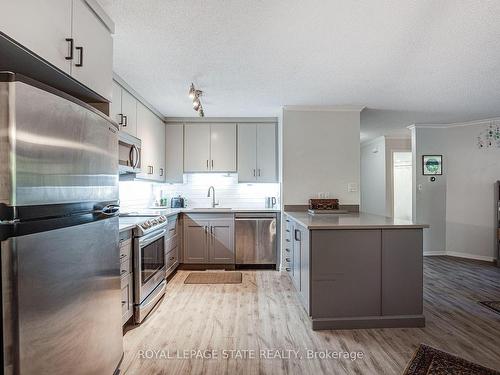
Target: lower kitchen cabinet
171 246
208 239
126 275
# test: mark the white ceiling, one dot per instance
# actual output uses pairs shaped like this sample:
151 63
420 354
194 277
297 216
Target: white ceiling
406 61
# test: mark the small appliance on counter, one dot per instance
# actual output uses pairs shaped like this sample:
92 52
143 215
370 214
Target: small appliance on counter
270 202
177 202
325 206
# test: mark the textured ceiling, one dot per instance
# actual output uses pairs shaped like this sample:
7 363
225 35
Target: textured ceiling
406 61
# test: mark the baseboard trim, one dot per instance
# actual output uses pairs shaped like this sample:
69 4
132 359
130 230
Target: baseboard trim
457 254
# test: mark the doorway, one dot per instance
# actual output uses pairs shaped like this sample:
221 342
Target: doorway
402 184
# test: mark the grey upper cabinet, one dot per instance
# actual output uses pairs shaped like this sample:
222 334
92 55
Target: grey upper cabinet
46 25
67 34
151 132
93 61
257 152
209 147
123 109
209 239
174 148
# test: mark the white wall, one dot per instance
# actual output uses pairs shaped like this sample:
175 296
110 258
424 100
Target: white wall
459 206
470 206
373 177
430 201
320 154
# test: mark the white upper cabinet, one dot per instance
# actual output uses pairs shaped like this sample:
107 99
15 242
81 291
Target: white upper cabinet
209 147
67 34
151 132
129 112
123 109
247 152
257 150
267 166
174 151
196 147
223 147
93 60
41 26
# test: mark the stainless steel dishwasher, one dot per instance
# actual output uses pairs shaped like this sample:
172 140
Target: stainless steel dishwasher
255 238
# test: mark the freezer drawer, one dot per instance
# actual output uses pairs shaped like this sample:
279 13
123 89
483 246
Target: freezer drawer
255 240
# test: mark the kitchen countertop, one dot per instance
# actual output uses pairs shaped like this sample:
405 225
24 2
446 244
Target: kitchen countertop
359 220
128 222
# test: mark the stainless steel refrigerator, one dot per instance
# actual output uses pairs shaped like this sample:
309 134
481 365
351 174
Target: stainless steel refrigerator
60 281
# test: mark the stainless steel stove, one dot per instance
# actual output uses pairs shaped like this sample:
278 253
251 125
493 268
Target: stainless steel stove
149 263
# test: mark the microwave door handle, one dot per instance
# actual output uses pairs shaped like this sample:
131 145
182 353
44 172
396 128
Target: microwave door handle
137 154
131 156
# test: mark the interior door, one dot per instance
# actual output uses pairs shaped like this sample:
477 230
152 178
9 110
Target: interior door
247 152
266 153
129 108
223 147
93 62
196 241
44 28
221 243
196 147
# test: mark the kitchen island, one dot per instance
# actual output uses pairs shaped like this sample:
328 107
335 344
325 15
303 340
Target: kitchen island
356 270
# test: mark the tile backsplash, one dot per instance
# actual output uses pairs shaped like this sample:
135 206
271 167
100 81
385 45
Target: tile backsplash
228 192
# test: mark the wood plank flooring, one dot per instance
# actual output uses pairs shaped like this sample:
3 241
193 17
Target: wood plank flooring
264 313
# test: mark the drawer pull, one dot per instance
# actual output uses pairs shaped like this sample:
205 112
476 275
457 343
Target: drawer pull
287 240
122 256
288 269
287 259
124 302
124 272
172 258
288 230
287 250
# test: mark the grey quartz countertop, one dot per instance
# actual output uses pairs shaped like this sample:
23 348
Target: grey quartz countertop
129 222
359 220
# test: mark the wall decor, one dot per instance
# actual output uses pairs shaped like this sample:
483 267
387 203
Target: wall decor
432 165
490 136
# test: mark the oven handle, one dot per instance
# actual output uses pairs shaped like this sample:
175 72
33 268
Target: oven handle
151 237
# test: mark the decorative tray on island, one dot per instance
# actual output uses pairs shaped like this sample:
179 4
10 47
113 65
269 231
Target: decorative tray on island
325 206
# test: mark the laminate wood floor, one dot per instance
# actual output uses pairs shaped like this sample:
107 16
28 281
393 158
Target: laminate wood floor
263 313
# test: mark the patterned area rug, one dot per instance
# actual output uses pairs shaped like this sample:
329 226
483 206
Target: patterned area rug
493 305
430 361
214 278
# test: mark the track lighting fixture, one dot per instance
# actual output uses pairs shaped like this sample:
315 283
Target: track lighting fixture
195 96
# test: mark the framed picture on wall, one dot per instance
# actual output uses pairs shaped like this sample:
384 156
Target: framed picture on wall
432 165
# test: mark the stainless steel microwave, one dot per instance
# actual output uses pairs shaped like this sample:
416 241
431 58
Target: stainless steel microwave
129 153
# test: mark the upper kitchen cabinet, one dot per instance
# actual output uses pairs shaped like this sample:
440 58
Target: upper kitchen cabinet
66 33
123 109
257 153
49 24
174 148
93 60
151 132
209 147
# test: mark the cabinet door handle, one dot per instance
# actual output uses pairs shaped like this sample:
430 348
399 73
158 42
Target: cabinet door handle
287 249
254 173
288 269
80 59
124 272
212 164
121 119
172 258
150 169
125 121
212 230
207 163
297 235
161 171
259 172
287 259
124 302
70 48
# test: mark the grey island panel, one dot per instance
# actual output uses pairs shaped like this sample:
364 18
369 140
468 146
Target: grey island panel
346 275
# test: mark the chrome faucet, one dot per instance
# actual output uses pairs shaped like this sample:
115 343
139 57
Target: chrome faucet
213 196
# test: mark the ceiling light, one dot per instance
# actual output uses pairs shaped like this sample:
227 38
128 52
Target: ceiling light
192 92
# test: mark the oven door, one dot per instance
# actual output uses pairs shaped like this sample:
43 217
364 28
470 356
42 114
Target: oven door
149 264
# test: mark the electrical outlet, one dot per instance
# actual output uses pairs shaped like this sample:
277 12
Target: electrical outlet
352 187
